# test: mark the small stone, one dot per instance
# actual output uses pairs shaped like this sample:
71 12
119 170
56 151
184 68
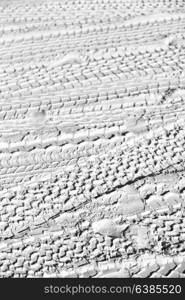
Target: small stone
154 201
85 225
142 239
130 208
171 198
146 190
106 227
124 273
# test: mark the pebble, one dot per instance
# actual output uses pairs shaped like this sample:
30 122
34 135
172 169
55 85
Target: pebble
155 201
171 198
146 190
106 227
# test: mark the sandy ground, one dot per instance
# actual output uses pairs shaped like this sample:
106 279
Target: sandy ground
92 138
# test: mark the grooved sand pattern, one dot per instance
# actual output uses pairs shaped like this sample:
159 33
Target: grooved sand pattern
92 137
